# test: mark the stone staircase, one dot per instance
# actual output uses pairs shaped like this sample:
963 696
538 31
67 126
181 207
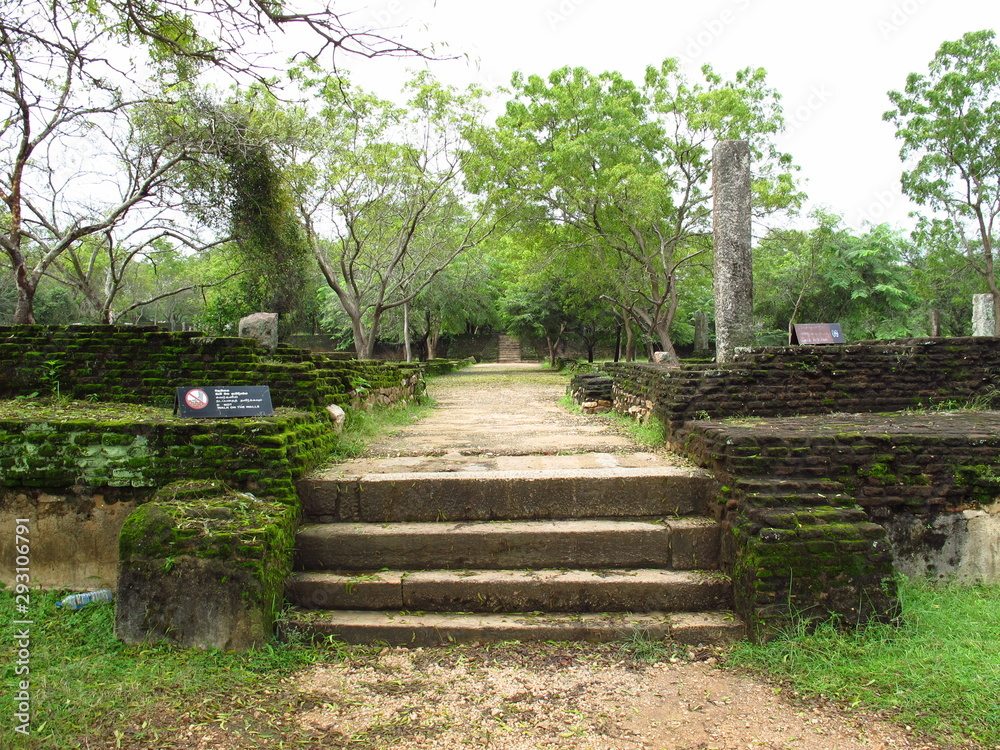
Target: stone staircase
509 349
426 551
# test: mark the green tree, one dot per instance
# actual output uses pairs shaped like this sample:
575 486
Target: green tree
949 123
628 168
65 99
831 275
382 199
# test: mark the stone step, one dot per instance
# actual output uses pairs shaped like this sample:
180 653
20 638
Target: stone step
424 630
678 544
483 488
513 590
785 487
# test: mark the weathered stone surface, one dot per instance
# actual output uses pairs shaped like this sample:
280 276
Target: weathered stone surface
430 629
74 536
705 628
694 543
984 319
701 334
639 590
956 545
505 487
338 416
733 262
193 602
377 590
203 566
262 328
423 630
493 546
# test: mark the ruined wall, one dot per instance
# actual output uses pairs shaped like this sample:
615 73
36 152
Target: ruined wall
822 512
78 480
145 365
796 380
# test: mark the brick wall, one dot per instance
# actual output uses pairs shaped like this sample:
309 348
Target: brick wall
146 365
806 501
783 381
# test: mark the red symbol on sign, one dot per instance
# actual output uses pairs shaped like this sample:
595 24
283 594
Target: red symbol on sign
196 398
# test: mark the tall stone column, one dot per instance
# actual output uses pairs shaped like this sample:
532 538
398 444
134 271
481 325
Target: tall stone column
701 334
983 315
733 263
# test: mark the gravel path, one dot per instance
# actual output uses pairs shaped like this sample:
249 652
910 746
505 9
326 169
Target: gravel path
523 697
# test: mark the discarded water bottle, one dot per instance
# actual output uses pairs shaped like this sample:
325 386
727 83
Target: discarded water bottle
75 601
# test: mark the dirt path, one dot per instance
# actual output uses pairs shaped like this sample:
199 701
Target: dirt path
593 696
509 409
514 696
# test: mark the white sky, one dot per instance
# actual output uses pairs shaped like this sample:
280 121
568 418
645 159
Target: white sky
832 62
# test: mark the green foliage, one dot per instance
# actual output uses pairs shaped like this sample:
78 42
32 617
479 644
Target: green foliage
641 646
624 171
949 123
830 275
937 669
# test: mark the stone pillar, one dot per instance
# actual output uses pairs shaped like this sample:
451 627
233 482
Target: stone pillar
701 334
733 266
935 323
983 315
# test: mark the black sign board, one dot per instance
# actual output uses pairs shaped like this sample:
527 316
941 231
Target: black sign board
213 401
817 333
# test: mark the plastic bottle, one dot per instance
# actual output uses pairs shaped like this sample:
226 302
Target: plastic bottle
75 601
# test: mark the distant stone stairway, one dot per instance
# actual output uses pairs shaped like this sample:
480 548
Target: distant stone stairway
509 349
425 551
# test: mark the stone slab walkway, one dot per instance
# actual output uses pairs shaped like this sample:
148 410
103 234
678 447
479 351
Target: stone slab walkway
503 410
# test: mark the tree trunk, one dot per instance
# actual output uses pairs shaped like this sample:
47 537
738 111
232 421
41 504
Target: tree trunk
666 345
629 341
24 312
553 345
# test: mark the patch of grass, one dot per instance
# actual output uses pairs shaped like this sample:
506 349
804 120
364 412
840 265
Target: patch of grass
362 427
650 433
938 670
88 690
641 646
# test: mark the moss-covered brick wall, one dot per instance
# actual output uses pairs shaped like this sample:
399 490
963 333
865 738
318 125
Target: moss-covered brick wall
134 364
264 454
807 501
793 380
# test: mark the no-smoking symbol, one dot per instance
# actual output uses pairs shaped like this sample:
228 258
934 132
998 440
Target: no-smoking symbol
196 398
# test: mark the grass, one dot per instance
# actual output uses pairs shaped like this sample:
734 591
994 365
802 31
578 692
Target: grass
88 690
362 427
650 433
939 670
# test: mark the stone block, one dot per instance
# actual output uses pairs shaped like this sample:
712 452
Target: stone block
203 567
262 328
